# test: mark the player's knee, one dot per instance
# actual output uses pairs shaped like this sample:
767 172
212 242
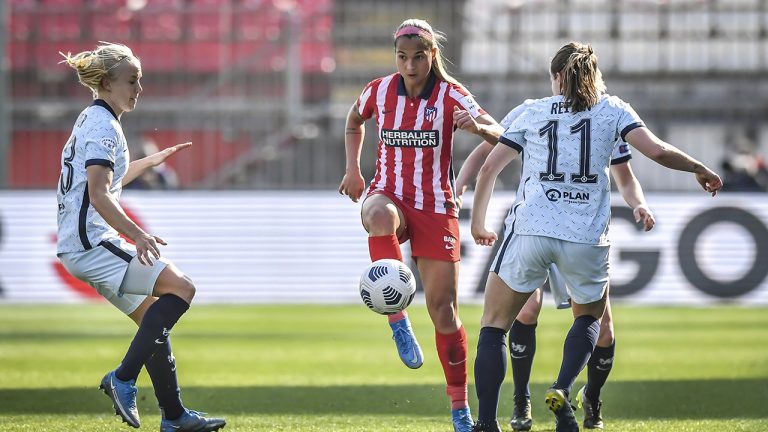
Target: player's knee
185 289
606 336
497 318
380 218
528 316
444 313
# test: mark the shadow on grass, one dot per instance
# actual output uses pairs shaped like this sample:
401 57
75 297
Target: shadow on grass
698 400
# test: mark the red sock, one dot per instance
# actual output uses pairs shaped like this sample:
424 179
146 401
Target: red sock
452 351
386 246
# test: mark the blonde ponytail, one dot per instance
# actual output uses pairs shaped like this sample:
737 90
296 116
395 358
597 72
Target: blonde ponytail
93 66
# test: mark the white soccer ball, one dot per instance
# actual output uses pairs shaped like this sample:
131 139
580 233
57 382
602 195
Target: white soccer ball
387 286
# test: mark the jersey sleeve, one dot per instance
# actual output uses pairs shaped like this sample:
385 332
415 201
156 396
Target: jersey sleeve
366 102
514 135
515 113
465 101
621 153
628 120
101 148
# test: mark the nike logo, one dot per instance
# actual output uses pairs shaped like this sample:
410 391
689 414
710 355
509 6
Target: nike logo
450 363
159 342
518 357
415 358
449 246
602 368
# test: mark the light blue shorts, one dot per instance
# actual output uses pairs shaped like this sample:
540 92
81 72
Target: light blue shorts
523 263
114 271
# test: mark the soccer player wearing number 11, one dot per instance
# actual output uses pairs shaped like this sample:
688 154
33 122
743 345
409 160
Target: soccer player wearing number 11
560 216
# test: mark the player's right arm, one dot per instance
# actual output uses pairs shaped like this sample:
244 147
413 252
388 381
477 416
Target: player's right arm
671 157
632 192
500 156
99 181
353 183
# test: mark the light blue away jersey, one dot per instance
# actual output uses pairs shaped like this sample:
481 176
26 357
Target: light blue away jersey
97 139
565 190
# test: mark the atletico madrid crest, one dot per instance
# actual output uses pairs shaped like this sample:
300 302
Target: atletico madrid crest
430 113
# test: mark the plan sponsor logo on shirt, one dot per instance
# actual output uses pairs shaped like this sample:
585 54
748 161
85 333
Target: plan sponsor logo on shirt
555 195
414 138
430 113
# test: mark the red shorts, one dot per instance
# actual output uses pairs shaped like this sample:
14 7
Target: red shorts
432 235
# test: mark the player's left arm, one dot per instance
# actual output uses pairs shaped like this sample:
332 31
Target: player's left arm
137 167
483 125
632 192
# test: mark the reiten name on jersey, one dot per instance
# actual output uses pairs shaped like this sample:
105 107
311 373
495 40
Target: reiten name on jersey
407 138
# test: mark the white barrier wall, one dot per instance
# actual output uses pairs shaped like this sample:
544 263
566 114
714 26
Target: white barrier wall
310 247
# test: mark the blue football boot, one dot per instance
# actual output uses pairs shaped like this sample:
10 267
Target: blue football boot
407 346
123 395
192 421
462 420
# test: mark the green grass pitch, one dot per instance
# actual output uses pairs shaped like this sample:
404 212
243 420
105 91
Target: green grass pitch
334 368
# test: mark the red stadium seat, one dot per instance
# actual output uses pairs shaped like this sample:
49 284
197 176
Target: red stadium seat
112 25
57 25
35 158
21 25
208 56
22 57
160 56
160 22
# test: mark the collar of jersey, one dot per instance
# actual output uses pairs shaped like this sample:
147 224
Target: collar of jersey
105 105
425 94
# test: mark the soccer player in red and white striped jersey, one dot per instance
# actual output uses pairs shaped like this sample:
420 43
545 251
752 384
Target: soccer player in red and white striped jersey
411 196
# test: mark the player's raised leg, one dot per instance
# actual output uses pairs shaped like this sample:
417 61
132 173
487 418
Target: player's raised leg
384 222
175 292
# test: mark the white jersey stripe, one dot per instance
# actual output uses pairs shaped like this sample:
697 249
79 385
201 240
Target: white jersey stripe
398 151
381 98
364 98
418 162
438 125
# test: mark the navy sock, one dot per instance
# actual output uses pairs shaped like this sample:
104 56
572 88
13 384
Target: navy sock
522 347
490 368
578 347
598 369
161 368
153 331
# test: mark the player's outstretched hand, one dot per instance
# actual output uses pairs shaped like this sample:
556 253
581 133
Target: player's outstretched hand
462 119
162 155
709 180
352 185
146 247
644 215
484 237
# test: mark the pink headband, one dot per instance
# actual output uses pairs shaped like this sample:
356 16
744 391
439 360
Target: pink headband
413 30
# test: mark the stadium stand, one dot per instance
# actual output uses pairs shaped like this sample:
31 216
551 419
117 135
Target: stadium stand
262 86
